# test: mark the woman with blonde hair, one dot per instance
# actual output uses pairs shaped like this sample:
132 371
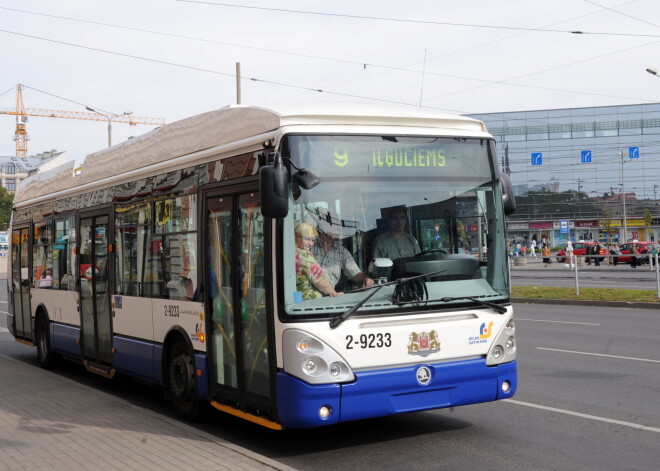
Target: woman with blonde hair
310 280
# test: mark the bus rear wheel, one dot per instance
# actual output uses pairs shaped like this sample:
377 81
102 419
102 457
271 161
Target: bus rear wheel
45 356
182 386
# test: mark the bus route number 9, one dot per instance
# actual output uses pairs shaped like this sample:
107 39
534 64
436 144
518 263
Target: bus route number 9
341 156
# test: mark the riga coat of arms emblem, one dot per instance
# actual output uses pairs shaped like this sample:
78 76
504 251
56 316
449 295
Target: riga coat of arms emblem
423 343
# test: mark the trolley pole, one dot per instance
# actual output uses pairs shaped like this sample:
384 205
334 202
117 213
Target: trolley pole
238 83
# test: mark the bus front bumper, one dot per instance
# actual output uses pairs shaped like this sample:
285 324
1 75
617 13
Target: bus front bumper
392 391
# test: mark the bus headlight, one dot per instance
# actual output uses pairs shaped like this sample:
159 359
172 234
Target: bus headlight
311 360
503 348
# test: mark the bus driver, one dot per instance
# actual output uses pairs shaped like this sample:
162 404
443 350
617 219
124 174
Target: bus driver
396 243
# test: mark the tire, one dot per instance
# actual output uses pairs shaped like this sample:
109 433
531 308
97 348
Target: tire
45 356
182 385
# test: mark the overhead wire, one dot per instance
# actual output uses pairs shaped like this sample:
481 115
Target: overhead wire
485 82
429 22
310 56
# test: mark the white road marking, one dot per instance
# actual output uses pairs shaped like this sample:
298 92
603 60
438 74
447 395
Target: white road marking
556 322
586 416
598 355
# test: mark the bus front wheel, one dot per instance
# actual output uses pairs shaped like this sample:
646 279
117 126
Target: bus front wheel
182 387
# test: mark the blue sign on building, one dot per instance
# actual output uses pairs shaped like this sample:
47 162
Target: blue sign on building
586 156
633 152
563 227
537 158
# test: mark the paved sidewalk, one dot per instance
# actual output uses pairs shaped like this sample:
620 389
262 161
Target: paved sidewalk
48 422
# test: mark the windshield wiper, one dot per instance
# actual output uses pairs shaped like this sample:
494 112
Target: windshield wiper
337 321
496 307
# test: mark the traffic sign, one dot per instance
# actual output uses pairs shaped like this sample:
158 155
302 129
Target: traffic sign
633 152
537 158
586 156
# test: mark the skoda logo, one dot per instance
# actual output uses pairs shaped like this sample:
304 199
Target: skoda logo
423 375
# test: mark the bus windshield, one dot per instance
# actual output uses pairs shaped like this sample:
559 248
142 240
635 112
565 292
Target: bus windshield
423 209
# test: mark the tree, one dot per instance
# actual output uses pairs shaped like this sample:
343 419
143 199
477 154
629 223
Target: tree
6 202
648 219
606 224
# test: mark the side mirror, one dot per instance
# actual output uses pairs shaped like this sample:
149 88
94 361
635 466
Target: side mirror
274 189
507 195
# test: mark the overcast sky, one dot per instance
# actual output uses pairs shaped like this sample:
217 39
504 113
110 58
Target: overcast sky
173 59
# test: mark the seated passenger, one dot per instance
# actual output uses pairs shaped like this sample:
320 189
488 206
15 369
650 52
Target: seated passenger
46 280
396 243
310 279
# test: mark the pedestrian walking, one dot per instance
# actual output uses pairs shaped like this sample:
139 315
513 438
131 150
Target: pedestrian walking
532 249
596 251
634 253
545 251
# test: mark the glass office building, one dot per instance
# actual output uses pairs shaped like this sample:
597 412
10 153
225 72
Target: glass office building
573 168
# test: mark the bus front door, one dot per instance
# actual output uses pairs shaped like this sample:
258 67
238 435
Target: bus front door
240 347
94 294
21 284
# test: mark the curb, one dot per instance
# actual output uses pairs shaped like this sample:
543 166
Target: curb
578 302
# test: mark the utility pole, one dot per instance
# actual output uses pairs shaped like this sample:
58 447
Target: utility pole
623 198
655 199
506 169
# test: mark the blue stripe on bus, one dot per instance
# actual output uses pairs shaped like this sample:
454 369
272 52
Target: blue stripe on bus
64 339
298 403
135 358
392 391
203 380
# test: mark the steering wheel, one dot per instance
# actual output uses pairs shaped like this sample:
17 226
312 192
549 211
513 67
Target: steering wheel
431 251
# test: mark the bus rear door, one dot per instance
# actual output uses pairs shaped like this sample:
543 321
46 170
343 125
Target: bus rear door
21 284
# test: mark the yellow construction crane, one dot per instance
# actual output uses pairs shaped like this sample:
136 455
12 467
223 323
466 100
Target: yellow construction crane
21 113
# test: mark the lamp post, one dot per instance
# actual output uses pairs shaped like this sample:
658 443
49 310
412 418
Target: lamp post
109 117
652 71
623 198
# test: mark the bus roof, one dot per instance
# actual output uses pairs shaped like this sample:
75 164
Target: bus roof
232 124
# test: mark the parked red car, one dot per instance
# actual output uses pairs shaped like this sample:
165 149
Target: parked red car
644 249
579 248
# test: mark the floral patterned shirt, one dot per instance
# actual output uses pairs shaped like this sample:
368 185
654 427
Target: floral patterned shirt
308 273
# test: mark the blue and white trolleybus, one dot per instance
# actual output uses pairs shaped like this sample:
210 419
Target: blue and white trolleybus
190 258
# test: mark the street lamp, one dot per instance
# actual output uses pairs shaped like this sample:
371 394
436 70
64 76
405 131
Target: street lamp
109 117
652 72
623 198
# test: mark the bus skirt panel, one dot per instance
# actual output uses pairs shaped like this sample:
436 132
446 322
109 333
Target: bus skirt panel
394 391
